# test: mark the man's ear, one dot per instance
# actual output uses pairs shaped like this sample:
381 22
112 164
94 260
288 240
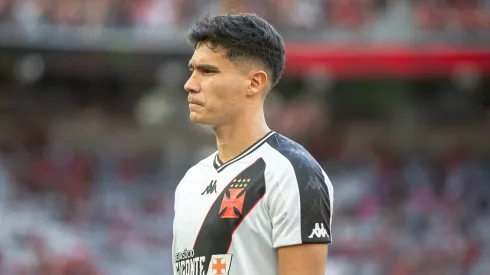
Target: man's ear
258 83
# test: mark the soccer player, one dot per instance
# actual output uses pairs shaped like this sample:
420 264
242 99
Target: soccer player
260 205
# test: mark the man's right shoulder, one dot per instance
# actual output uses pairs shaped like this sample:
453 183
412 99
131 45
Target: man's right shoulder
198 169
205 163
202 165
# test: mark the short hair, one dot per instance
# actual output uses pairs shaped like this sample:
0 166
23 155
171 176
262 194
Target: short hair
242 36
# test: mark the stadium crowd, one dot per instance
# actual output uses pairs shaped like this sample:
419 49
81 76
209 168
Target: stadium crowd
285 14
66 211
469 14
100 206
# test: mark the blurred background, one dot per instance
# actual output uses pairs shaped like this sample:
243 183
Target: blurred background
391 96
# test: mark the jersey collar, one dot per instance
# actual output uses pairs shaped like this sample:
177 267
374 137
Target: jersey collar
220 166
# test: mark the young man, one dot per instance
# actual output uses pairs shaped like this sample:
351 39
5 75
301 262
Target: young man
260 205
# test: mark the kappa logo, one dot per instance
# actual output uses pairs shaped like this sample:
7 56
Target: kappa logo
313 183
319 231
315 206
211 188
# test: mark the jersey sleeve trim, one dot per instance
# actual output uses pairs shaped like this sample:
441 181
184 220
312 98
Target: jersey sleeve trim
313 197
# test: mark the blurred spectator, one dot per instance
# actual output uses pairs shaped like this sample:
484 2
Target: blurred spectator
350 14
148 16
104 209
456 15
91 192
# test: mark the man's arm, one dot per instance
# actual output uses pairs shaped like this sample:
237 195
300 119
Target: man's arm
300 202
302 259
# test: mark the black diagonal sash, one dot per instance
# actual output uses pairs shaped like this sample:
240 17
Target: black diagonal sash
244 192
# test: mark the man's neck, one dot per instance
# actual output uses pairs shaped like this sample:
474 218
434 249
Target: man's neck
233 139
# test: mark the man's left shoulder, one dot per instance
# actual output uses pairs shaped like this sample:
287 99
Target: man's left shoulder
295 154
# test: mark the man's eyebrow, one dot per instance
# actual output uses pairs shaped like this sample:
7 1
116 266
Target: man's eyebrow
206 67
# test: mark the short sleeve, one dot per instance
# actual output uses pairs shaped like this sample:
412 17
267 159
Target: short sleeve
300 205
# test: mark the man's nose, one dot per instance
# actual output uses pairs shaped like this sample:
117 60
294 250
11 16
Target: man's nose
192 85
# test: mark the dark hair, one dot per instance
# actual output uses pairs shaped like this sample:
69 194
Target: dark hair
242 36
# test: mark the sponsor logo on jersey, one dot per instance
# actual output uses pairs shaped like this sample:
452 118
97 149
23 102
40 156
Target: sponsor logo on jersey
186 263
211 188
319 231
233 203
220 264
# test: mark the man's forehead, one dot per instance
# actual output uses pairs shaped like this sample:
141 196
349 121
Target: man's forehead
203 54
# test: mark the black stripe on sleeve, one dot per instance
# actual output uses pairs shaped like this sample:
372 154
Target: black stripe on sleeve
313 191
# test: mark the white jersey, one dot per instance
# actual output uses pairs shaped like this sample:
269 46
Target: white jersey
230 218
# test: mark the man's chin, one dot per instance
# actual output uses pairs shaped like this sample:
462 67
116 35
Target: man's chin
194 120
197 119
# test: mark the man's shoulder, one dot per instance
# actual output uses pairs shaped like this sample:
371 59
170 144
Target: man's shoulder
197 170
296 169
204 163
290 151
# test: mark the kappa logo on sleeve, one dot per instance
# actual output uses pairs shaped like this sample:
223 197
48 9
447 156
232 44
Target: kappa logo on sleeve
319 231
